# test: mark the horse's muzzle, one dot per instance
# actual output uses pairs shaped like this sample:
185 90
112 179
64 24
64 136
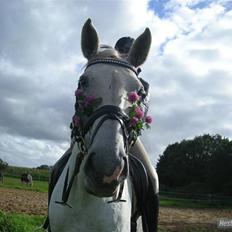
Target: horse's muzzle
100 183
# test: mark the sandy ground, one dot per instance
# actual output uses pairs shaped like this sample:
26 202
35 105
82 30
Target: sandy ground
22 201
173 219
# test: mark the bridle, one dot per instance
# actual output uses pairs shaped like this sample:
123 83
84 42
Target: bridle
110 111
103 113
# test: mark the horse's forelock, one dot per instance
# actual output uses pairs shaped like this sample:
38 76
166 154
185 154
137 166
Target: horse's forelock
108 53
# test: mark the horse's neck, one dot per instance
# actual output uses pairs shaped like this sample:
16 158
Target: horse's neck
88 213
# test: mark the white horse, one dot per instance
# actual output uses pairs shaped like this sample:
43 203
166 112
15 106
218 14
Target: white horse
94 191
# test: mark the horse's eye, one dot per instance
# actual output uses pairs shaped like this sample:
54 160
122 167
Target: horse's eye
83 82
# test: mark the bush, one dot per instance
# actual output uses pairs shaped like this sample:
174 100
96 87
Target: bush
37 174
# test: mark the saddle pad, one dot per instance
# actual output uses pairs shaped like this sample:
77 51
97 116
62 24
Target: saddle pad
147 200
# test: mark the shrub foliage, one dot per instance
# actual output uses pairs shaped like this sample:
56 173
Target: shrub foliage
202 164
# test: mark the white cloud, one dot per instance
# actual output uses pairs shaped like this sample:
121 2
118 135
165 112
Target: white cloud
29 152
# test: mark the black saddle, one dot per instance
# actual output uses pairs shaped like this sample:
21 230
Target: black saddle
146 199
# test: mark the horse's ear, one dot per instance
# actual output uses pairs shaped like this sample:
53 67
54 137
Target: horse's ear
140 49
89 40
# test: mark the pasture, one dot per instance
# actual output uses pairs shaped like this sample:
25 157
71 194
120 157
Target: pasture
24 209
13 182
37 174
12 222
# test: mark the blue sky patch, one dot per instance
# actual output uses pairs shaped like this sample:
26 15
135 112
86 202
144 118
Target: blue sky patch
228 6
158 6
206 3
202 4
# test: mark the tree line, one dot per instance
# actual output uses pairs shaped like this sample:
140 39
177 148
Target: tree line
199 165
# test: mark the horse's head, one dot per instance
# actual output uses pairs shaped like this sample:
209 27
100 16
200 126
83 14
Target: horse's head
106 130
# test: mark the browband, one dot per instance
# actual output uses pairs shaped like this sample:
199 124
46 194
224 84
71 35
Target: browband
112 61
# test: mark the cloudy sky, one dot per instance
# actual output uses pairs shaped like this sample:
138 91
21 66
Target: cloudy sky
188 68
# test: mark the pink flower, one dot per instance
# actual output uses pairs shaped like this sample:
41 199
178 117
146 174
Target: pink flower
148 119
134 121
133 96
89 100
76 120
139 113
78 93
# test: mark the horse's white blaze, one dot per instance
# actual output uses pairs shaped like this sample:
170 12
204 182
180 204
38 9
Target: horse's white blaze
88 213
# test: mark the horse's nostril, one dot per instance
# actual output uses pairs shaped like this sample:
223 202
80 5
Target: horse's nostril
115 175
102 169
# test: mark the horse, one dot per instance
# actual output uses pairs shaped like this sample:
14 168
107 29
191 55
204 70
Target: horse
92 186
26 178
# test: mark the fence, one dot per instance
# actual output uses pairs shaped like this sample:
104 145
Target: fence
207 198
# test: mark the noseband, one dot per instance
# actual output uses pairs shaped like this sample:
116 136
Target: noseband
103 113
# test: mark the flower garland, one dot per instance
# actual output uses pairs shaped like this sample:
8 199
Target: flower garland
136 115
86 105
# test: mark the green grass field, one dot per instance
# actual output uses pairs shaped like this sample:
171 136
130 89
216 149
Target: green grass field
12 182
10 222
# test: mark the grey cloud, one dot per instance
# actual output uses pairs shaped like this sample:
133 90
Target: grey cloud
37 94
21 151
29 120
205 54
183 104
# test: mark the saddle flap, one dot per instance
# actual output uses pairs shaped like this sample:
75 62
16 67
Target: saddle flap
146 198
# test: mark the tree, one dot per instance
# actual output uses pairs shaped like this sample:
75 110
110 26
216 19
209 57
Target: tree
204 161
3 165
43 166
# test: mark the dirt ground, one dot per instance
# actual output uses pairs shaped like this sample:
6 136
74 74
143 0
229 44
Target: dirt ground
173 219
22 201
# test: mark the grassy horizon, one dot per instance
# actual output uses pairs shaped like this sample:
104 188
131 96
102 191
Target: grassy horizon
15 183
42 186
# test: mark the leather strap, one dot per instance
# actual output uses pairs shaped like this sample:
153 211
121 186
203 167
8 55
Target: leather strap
114 62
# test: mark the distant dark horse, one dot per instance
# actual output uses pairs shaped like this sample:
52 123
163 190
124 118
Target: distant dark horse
26 178
1 177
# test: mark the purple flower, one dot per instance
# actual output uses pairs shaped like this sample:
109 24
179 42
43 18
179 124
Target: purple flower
134 121
78 93
139 113
148 119
76 120
89 100
133 96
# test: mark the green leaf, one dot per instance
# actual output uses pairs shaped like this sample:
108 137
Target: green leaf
139 125
132 114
